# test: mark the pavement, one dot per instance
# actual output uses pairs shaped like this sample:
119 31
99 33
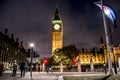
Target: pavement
45 75
35 76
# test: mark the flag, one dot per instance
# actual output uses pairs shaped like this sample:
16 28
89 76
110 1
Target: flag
109 12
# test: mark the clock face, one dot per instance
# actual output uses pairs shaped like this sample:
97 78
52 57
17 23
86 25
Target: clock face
56 26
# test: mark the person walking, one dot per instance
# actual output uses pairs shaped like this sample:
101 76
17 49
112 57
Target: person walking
14 69
38 68
22 69
1 68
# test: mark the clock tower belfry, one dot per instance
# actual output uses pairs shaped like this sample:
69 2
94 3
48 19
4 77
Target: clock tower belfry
57 31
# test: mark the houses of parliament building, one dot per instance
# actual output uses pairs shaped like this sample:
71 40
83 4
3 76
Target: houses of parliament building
98 56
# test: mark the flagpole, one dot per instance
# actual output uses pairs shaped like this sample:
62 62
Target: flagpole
110 70
112 50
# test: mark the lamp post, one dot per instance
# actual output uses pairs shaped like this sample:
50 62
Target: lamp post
31 56
110 70
112 50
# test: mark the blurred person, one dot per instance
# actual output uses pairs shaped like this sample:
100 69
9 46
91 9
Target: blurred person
22 69
14 69
1 68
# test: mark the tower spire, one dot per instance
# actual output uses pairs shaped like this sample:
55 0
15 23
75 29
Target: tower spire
57 14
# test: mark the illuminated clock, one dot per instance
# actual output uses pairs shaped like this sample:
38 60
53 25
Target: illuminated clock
56 26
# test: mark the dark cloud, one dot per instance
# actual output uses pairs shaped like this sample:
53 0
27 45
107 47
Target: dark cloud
31 21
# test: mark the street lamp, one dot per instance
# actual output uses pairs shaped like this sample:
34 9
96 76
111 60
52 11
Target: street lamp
31 56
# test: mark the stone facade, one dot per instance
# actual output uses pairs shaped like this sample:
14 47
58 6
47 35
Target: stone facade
11 50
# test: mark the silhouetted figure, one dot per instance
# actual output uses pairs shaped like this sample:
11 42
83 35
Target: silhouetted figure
14 69
47 70
38 68
1 68
22 69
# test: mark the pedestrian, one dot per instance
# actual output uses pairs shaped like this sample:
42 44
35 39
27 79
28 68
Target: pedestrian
47 70
1 68
22 69
14 69
38 68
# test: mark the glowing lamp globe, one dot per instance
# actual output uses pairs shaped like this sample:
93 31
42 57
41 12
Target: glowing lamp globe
31 45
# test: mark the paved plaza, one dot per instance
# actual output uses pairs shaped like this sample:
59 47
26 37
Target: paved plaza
45 75
35 76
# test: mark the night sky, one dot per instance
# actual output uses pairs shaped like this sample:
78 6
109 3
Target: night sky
31 21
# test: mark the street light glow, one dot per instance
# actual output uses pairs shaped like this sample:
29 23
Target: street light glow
31 45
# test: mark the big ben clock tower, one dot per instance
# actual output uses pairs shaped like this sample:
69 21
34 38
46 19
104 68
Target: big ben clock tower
57 31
